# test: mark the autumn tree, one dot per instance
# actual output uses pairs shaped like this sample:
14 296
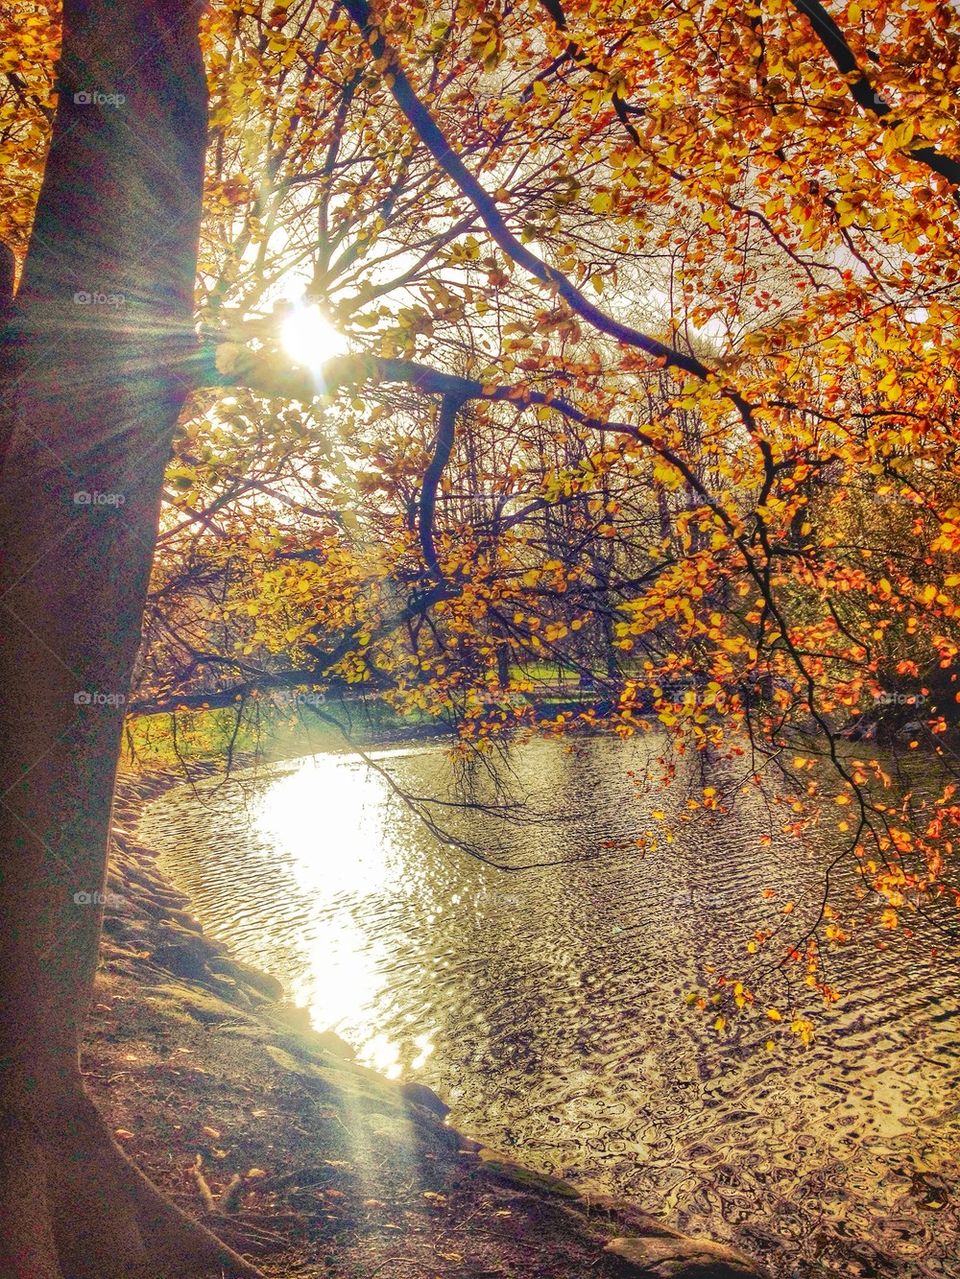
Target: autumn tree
91 396
776 223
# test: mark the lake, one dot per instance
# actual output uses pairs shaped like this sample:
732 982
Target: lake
546 1004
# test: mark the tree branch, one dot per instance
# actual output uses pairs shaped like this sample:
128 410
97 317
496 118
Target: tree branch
446 430
862 91
436 143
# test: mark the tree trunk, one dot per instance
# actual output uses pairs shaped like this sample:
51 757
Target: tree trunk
95 350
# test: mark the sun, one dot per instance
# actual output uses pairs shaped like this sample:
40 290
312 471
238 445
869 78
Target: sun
309 338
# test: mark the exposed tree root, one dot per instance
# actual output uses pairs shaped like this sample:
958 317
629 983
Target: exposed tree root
72 1206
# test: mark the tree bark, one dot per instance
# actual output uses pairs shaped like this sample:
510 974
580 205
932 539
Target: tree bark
95 350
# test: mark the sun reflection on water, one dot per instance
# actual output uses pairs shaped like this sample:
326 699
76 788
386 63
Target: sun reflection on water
332 814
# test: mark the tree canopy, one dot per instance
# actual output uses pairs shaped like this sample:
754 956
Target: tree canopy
610 341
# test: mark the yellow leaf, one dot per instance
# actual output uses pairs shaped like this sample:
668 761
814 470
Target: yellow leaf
800 1026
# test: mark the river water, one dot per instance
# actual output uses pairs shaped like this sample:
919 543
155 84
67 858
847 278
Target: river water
546 1004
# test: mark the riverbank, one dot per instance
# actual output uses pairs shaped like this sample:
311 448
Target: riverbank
294 1153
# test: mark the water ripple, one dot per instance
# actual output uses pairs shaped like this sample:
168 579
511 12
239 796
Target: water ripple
547 1006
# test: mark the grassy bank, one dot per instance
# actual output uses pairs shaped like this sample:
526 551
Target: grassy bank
266 733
